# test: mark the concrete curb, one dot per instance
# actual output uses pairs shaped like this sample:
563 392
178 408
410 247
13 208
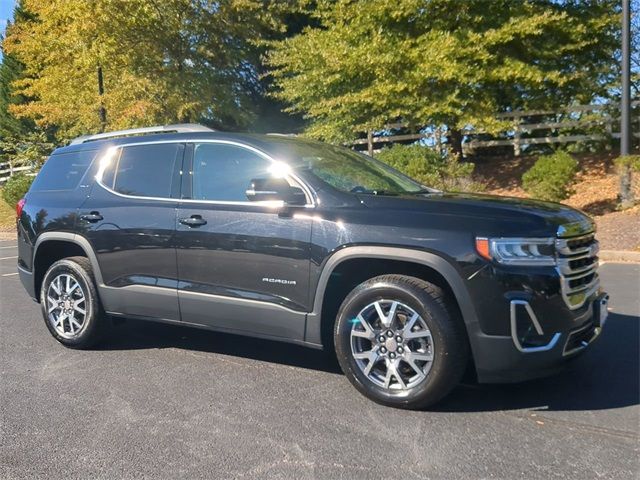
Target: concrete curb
619 256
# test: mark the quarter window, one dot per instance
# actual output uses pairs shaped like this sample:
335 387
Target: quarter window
63 171
223 172
147 170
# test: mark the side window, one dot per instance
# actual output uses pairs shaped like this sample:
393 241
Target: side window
63 171
147 170
224 172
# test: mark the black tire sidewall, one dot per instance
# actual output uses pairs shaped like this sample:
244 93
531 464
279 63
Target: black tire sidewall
438 382
85 281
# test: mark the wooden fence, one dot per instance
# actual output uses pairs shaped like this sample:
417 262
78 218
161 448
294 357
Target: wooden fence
7 170
579 123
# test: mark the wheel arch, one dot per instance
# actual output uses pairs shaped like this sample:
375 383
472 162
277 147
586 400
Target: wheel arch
53 246
423 261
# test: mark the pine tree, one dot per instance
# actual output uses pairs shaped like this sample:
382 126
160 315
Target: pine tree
11 69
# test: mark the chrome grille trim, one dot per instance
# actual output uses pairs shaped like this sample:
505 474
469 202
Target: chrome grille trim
572 249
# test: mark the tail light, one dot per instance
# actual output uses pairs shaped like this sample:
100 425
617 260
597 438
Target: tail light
19 207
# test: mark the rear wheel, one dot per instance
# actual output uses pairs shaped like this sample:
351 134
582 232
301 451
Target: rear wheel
399 342
70 304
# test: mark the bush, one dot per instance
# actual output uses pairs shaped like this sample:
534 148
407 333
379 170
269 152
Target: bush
632 161
429 168
15 188
551 177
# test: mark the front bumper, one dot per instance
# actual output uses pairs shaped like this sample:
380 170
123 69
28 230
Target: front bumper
504 359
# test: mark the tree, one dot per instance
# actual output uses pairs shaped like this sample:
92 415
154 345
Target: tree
11 69
442 62
162 62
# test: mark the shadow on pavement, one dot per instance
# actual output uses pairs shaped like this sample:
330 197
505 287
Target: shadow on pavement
140 334
605 377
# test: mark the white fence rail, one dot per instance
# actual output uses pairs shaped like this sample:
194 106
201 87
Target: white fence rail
7 171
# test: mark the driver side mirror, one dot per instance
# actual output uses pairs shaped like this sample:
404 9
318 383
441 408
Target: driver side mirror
269 189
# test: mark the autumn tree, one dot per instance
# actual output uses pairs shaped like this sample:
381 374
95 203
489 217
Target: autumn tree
161 62
442 62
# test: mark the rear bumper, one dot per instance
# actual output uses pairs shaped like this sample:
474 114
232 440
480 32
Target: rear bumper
502 359
26 277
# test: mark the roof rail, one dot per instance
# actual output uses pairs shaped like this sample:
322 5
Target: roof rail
178 128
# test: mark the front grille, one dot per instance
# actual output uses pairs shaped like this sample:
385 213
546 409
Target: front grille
577 265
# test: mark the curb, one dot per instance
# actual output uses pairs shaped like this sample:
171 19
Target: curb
619 256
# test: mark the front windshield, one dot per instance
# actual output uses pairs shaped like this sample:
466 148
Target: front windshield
351 171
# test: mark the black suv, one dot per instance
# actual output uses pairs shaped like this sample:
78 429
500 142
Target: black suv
295 240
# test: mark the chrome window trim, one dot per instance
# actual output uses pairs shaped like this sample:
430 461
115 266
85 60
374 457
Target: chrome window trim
111 151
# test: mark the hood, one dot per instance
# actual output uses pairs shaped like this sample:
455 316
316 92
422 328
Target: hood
501 215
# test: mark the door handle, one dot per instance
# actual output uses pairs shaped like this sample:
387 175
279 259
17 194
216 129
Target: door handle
92 217
193 221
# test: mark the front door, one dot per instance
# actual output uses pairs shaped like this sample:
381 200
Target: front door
243 266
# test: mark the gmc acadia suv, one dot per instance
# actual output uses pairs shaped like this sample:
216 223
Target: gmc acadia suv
295 240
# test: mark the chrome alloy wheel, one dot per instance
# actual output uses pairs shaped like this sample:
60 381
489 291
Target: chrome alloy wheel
66 306
392 345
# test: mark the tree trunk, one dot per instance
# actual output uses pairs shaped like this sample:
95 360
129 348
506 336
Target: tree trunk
455 141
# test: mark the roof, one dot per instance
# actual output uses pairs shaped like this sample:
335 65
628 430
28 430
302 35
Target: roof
272 144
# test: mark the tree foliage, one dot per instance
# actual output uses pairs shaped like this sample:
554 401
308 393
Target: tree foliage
11 69
16 188
163 61
430 168
442 62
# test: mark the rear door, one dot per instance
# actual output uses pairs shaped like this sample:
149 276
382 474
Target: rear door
129 219
242 265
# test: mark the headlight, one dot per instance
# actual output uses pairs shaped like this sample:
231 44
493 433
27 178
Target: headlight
517 251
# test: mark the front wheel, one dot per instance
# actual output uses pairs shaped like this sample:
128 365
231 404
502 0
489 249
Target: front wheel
399 341
70 304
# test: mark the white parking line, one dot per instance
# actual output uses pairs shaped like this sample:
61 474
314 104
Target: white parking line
9 274
8 258
10 246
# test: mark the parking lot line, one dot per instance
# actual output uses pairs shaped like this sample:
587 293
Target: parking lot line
10 246
9 274
8 258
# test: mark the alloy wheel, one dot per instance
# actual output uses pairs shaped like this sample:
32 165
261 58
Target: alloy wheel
392 345
66 306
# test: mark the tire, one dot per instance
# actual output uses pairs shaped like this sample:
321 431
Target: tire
86 329
436 333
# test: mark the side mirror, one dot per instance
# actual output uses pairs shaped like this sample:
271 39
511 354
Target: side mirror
269 189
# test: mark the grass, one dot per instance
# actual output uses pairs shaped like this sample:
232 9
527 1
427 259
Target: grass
7 215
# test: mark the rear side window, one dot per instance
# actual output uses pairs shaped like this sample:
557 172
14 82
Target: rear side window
147 170
63 171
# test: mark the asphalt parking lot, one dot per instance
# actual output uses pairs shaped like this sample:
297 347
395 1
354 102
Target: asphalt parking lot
160 401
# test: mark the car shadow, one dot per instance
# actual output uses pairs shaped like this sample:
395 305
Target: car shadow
605 377
139 334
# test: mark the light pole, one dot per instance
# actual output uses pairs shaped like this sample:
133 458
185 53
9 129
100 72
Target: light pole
626 191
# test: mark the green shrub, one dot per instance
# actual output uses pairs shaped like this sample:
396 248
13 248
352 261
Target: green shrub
551 177
429 168
15 188
632 161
